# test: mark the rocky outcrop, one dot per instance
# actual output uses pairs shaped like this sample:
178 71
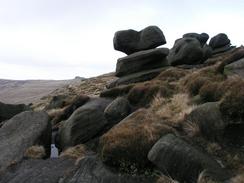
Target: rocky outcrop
236 67
92 170
84 124
39 171
220 43
181 161
143 60
131 41
8 111
202 38
186 51
22 131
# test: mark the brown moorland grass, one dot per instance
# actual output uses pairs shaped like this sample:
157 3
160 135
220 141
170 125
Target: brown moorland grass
35 152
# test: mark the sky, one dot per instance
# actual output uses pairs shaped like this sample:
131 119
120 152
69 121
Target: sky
61 39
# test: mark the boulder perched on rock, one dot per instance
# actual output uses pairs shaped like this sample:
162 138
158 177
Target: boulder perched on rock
22 131
117 110
202 38
131 41
186 51
219 41
7 111
141 61
181 161
92 170
38 171
130 140
84 124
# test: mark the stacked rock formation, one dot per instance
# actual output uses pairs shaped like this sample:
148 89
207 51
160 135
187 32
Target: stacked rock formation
144 60
220 43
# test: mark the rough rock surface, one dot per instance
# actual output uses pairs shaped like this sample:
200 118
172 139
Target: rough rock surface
219 40
236 67
38 171
131 41
202 38
22 131
117 110
7 111
84 124
186 51
136 77
183 162
91 170
141 61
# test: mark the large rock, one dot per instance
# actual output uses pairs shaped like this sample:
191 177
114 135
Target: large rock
7 111
181 161
38 171
208 118
136 77
236 67
202 38
131 41
131 139
219 40
140 61
22 131
92 170
186 51
84 124
117 110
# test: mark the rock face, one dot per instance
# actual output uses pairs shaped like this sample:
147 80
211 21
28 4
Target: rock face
202 38
143 60
183 162
38 171
131 41
117 110
186 51
219 41
22 131
7 111
84 124
91 170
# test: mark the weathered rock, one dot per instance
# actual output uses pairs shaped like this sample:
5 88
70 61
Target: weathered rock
183 162
77 102
117 110
209 120
22 131
207 52
141 61
91 170
202 38
57 101
236 67
130 140
219 40
38 171
136 77
131 41
186 51
8 111
223 49
84 124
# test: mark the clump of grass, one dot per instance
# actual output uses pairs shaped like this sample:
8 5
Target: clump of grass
172 74
210 92
173 109
192 129
35 152
203 178
238 179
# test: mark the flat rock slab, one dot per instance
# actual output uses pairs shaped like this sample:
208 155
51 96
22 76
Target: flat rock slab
38 171
136 77
141 61
131 41
91 170
183 162
8 111
22 131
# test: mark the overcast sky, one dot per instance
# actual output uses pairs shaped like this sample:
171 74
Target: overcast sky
61 39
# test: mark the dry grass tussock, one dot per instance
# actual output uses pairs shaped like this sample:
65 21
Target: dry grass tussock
166 179
191 128
173 109
202 178
35 152
238 179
